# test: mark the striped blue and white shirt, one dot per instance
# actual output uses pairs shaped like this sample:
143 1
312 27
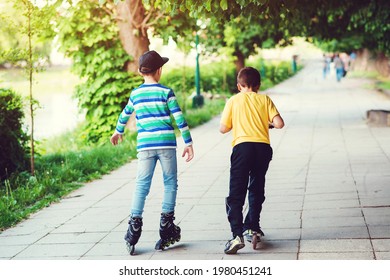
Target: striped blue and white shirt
153 105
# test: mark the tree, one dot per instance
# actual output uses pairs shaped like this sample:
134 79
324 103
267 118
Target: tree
32 27
133 26
244 35
324 20
366 23
12 39
136 18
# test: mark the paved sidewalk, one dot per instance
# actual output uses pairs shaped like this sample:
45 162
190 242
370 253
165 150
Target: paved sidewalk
328 190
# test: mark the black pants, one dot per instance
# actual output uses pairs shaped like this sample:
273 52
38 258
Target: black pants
249 164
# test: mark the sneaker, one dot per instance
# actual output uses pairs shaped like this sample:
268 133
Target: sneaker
235 244
253 237
249 235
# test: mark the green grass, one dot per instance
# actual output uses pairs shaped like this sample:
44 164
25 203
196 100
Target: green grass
202 115
381 83
385 85
57 175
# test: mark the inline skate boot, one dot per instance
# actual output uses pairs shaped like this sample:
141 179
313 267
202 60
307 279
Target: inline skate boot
169 232
133 233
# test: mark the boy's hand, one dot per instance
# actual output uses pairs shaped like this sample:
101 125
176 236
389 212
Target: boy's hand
190 153
116 138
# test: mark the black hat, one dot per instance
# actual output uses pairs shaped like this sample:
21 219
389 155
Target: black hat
151 61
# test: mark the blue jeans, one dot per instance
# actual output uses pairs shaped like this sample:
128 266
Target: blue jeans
146 164
339 73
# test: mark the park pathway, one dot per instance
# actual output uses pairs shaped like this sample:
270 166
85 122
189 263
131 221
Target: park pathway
328 190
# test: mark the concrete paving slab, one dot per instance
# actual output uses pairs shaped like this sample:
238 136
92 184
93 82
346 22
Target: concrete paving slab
331 204
10 251
334 232
54 250
381 245
72 238
377 216
335 245
282 233
330 213
382 255
249 255
379 231
337 256
21 239
333 222
82 227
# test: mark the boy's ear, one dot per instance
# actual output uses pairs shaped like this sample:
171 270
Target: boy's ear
238 86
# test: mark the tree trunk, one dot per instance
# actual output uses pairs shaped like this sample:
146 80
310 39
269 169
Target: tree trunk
133 30
30 67
240 60
383 65
367 61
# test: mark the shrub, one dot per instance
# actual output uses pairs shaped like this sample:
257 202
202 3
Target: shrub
180 79
13 140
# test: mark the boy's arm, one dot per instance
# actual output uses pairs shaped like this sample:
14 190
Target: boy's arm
277 122
189 151
182 125
179 118
226 118
224 129
121 124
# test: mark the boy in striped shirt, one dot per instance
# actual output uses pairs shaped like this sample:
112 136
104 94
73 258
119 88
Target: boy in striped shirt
153 105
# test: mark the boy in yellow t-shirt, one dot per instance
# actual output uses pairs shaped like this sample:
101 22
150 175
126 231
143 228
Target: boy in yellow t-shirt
249 115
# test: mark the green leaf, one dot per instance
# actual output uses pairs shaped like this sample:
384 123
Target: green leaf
224 4
208 5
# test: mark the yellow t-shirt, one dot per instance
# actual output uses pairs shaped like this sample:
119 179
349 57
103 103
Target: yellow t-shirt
248 114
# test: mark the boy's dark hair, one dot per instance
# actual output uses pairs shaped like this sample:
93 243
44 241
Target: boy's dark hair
249 77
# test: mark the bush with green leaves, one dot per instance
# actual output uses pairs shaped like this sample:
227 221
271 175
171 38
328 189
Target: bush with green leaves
219 77
273 72
180 79
13 140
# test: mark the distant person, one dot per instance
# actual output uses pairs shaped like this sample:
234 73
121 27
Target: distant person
249 115
153 105
352 59
339 66
325 65
294 63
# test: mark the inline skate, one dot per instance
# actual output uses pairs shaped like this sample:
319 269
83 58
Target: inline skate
169 232
133 233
